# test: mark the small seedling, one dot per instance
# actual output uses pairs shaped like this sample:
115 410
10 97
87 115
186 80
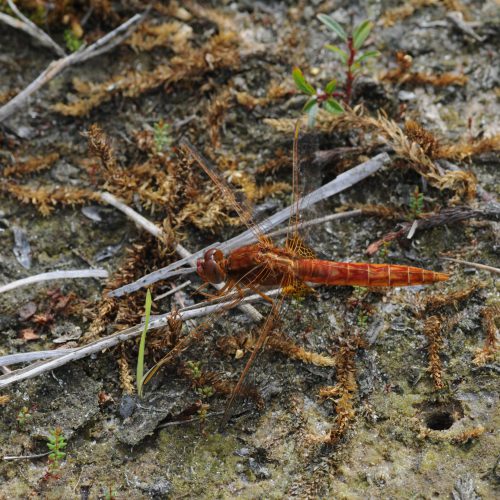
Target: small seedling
202 415
362 319
73 43
162 138
351 60
23 417
384 249
110 494
142 346
206 391
416 203
195 368
56 444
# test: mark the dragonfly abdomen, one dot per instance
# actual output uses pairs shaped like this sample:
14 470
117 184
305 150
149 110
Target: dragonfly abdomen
363 274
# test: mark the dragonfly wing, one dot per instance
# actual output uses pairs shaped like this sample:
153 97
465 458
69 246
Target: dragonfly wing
240 207
266 330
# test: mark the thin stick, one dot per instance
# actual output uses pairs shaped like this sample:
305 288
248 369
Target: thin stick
189 420
319 220
25 457
491 269
68 356
55 275
102 45
23 357
141 221
174 290
32 29
339 184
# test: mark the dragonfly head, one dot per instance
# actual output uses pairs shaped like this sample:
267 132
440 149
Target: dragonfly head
211 267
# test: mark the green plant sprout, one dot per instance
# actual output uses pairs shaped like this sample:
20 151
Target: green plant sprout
195 369
142 346
362 319
23 417
416 203
162 138
328 97
56 444
110 494
384 249
206 391
73 43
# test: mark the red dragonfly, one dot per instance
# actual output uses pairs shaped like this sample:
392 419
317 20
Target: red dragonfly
261 265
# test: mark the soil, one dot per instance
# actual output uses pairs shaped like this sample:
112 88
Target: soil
407 438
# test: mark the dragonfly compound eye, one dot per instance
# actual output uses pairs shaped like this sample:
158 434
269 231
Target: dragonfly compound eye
210 268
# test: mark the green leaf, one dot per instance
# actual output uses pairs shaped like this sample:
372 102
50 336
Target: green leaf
330 86
333 106
360 33
333 25
311 115
142 345
309 104
342 54
301 82
366 55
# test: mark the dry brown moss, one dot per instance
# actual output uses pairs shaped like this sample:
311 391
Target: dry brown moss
432 330
429 303
34 164
452 436
392 16
491 315
126 380
415 147
403 75
172 35
216 111
220 51
45 199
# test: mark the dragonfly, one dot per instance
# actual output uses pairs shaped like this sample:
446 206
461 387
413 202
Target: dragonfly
292 267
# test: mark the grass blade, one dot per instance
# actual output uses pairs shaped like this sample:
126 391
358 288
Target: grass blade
142 346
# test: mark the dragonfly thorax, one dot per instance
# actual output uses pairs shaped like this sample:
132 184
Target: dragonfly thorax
211 266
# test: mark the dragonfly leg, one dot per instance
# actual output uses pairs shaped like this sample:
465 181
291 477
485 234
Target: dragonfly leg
262 294
227 286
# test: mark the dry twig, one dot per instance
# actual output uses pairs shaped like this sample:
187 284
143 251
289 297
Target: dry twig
55 275
31 28
68 356
104 44
427 221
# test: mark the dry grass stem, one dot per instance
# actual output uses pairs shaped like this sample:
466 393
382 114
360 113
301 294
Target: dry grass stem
55 275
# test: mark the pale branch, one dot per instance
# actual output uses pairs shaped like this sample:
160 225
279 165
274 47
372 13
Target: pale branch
140 220
29 27
102 45
25 457
25 357
491 269
319 220
175 289
55 275
68 356
337 185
